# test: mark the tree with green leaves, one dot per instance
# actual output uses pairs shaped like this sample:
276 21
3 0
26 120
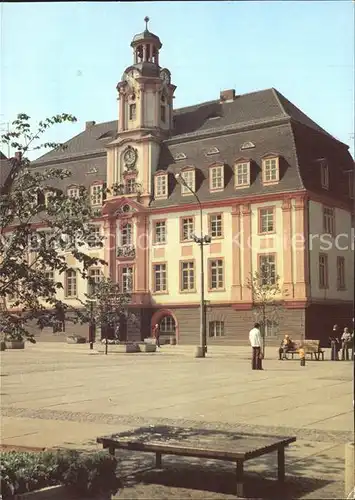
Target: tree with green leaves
265 290
107 304
38 222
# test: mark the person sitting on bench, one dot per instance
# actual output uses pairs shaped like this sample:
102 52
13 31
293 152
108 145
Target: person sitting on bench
286 345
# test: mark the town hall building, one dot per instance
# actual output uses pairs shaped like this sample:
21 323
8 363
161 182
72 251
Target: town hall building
273 188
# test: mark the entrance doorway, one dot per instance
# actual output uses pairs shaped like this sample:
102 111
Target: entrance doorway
167 329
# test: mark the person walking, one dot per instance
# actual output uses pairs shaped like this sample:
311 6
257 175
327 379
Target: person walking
156 335
335 344
345 344
256 343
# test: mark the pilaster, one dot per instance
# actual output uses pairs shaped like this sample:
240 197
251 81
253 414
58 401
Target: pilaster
287 248
301 248
236 292
247 251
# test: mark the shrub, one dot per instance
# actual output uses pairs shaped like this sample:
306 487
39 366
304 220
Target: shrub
88 474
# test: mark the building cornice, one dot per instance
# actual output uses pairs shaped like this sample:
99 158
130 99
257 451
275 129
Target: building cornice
253 198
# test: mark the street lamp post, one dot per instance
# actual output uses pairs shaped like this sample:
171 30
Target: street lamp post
201 241
92 325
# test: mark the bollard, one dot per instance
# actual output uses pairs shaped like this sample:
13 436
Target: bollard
302 357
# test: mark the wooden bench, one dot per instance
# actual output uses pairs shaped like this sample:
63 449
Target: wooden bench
311 348
238 449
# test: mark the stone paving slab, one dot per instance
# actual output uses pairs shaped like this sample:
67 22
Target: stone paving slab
66 396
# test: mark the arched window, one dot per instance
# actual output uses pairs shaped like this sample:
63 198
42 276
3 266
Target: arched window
271 328
139 53
167 325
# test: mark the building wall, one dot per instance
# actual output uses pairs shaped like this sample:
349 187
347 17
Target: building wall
236 325
333 247
175 251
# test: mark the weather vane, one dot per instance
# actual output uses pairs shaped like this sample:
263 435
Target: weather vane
146 20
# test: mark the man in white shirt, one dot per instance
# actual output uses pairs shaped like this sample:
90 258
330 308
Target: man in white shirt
256 343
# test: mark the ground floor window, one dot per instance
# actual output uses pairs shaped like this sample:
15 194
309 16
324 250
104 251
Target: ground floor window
167 325
271 328
216 329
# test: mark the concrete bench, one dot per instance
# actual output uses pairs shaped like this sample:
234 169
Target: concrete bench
238 449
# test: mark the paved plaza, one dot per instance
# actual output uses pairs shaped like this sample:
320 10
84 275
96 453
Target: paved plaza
64 395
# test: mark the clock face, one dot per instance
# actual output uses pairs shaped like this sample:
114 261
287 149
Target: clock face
164 75
130 157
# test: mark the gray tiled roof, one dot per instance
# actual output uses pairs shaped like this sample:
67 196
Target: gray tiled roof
277 139
5 168
90 141
265 118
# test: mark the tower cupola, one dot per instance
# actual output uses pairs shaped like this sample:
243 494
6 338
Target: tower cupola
146 46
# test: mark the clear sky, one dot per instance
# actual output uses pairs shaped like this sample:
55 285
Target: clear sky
68 57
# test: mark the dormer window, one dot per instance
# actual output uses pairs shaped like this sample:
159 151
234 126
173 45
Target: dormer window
324 174
242 174
180 156
161 185
96 194
270 168
216 177
189 180
247 145
212 151
73 192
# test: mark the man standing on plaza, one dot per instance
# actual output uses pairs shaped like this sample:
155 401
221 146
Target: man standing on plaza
256 343
156 335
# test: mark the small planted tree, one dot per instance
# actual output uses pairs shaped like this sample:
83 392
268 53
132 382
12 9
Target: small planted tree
107 303
265 290
38 222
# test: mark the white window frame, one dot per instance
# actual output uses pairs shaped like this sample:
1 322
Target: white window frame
187 276
160 232
270 261
161 186
216 274
95 237
96 194
266 216
95 274
160 278
242 174
190 180
271 170
216 329
216 225
71 284
217 178
127 273
73 192
167 325
187 228
126 234
328 220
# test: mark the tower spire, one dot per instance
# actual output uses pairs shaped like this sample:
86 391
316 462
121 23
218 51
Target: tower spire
146 20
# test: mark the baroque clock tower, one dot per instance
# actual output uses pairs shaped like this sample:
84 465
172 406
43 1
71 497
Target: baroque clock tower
145 96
